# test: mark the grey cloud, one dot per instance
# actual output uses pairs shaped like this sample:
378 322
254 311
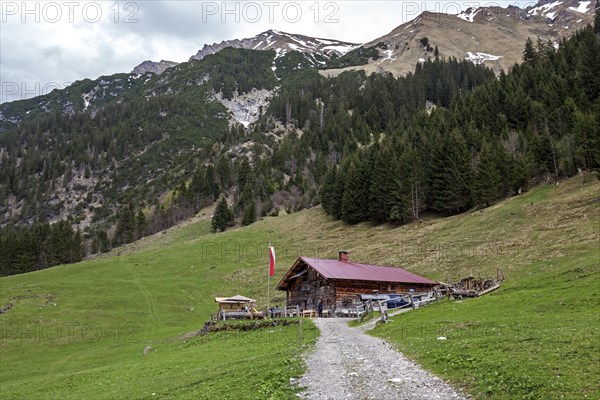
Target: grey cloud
49 53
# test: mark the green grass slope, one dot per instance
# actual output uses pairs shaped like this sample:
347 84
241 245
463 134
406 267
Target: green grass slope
79 331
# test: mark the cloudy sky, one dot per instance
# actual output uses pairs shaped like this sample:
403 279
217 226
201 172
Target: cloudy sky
49 44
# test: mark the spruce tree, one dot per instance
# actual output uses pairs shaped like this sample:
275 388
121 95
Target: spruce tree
328 197
379 188
125 231
141 224
249 213
222 216
244 174
451 174
405 198
339 188
529 54
397 199
353 210
77 251
486 183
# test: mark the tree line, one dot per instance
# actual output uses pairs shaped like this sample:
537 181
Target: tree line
39 246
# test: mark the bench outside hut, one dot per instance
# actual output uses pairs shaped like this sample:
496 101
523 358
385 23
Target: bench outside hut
237 307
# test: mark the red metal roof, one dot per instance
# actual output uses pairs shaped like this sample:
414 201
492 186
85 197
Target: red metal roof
335 269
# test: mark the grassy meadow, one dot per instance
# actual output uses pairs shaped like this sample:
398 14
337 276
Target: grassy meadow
79 331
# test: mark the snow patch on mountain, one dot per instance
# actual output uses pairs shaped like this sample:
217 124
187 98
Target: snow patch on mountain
340 48
388 57
582 7
545 10
480 58
468 15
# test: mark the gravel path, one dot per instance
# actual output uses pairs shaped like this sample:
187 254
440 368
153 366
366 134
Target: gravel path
349 364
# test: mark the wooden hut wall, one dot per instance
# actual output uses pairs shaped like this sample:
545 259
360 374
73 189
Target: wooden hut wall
307 291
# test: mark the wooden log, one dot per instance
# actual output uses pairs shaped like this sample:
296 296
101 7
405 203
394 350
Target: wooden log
489 290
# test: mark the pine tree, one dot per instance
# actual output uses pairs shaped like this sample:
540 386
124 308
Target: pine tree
353 209
588 62
249 213
529 54
451 174
486 183
95 248
378 189
222 216
585 132
77 252
103 242
328 198
125 231
405 192
244 174
246 196
141 224
339 188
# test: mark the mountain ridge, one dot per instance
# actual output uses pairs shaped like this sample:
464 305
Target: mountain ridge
464 36
282 42
547 19
494 31
153 67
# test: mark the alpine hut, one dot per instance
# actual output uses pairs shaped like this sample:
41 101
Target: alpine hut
338 283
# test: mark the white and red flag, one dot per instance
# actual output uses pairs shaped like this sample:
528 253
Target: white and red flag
271 261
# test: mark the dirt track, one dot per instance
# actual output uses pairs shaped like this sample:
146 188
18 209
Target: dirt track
349 364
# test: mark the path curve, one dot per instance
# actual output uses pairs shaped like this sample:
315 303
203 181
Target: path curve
349 364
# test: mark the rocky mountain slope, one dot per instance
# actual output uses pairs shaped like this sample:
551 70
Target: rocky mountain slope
153 67
319 50
493 36
490 35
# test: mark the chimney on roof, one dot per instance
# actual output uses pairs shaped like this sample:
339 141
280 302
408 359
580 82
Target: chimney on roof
343 256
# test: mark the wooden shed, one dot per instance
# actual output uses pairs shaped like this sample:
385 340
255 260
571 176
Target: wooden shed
337 283
235 303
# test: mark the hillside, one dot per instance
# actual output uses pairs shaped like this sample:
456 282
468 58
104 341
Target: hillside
490 35
162 287
125 156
